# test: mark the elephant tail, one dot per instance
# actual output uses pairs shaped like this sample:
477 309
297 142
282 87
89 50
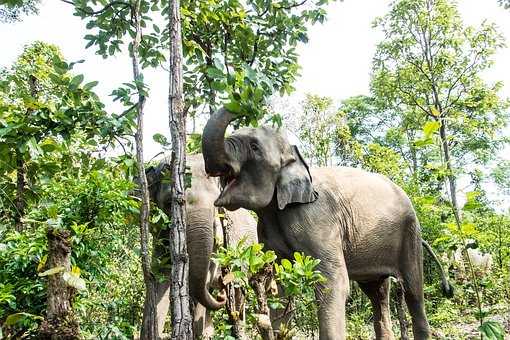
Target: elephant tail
445 285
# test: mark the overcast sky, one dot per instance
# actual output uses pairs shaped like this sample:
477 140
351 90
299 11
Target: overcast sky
336 62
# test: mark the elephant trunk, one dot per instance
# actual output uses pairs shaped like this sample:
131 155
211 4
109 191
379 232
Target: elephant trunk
216 158
200 247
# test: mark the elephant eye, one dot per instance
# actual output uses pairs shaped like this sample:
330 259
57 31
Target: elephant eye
254 147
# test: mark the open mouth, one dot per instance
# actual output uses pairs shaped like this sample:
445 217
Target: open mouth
227 182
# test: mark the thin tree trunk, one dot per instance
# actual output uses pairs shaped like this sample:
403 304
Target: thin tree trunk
179 289
149 329
260 282
235 314
161 269
20 191
456 213
451 175
21 171
60 322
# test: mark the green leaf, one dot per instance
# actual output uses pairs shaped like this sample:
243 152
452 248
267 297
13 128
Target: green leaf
492 330
76 81
90 85
233 107
12 319
52 271
286 264
33 148
430 127
214 73
160 139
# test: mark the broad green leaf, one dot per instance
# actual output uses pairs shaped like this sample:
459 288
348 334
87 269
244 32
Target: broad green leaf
492 330
286 264
214 73
76 81
90 85
33 148
430 127
160 139
233 107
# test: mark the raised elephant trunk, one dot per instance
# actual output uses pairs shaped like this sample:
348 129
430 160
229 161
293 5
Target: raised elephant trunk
216 158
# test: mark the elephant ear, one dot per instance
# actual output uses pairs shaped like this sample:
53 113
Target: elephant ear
295 182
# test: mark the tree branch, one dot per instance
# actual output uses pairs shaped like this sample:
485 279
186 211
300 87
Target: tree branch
105 8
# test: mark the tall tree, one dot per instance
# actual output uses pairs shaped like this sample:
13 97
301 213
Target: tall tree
14 10
429 68
179 290
149 328
317 127
116 20
42 104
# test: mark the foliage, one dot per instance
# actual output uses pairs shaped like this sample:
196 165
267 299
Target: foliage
299 280
14 10
427 69
49 119
317 128
235 52
95 207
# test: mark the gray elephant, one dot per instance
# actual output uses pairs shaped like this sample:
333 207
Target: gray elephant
359 224
202 223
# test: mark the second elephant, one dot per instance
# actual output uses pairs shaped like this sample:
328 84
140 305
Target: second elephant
202 226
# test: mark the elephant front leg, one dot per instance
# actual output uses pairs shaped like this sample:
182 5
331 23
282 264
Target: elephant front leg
331 298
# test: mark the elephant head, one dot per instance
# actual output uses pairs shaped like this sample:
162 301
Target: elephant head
199 225
256 165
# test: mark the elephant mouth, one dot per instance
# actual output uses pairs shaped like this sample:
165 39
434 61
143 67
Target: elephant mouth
227 182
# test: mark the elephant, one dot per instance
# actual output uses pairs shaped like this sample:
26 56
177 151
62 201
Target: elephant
360 225
202 226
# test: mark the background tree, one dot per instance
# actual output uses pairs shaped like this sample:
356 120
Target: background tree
14 10
318 125
46 112
429 66
181 311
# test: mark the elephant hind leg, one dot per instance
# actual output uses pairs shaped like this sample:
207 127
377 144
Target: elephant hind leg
412 282
378 293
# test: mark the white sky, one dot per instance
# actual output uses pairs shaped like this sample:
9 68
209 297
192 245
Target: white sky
336 62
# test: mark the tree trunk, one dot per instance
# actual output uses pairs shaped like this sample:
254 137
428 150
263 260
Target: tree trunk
179 289
161 268
234 295
149 329
20 191
260 282
451 175
456 213
21 171
60 322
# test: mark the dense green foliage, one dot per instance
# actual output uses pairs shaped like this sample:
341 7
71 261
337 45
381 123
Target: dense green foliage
94 206
430 123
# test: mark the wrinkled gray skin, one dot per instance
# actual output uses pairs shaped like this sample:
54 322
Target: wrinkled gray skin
201 224
359 224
